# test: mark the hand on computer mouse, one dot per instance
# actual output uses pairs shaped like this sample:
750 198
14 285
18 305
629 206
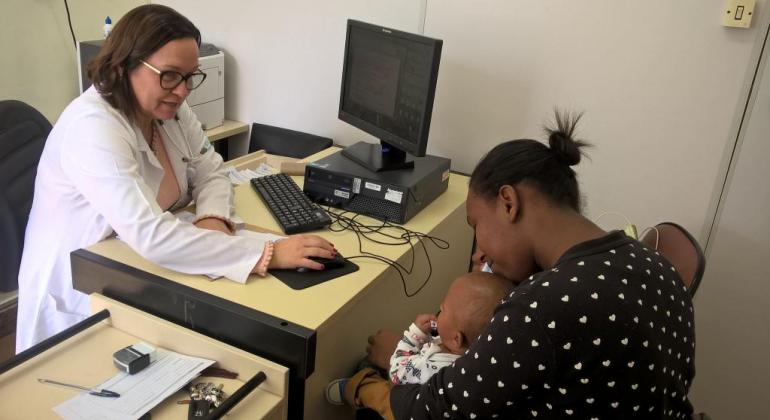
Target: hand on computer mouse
336 262
328 263
295 251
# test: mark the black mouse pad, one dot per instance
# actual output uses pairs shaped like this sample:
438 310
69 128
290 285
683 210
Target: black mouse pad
299 281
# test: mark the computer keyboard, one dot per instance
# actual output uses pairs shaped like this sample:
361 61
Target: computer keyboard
289 205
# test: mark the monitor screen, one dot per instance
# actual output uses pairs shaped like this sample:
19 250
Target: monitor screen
87 51
388 84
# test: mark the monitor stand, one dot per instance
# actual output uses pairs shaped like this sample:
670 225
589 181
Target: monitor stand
378 157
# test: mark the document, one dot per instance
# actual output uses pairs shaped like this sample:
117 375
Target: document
243 176
139 393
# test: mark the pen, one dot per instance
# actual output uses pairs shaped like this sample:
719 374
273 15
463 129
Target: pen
92 391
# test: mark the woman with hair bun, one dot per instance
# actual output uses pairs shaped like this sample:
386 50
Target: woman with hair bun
598 325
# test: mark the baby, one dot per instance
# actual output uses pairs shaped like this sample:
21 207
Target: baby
466 310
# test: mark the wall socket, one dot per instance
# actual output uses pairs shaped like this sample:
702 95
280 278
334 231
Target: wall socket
738 13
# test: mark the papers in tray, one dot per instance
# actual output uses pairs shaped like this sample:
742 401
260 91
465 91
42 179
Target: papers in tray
139 393
243 176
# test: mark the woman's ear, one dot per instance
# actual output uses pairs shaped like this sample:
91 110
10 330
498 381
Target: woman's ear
509 198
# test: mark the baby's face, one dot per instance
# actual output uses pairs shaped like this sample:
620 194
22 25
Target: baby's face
447 325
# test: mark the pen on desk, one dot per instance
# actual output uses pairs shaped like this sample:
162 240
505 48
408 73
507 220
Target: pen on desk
92 391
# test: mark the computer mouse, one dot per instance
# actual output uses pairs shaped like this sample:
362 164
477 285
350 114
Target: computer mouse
336 262
328 263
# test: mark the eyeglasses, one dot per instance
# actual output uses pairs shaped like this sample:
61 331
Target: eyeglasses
170 79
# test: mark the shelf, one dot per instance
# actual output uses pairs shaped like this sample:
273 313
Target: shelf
227 129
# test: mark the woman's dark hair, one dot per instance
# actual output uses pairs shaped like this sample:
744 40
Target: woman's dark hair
530 161
136 36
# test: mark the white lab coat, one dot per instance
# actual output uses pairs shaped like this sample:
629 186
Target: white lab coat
97 176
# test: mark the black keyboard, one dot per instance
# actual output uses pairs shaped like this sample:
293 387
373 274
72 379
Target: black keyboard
289 205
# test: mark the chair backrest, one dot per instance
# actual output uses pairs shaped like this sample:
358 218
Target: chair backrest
23 131
285 142
681 249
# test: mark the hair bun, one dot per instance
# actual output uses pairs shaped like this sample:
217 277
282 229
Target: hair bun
563 146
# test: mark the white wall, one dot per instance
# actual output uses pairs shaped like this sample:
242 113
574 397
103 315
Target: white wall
38 59
732 315
283 62
659 82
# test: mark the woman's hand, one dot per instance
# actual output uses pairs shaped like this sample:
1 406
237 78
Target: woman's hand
295 251
381 347
212 223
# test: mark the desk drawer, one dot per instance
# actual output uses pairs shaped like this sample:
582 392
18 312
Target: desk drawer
86 358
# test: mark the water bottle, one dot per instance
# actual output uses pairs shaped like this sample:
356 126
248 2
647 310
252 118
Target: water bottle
107 26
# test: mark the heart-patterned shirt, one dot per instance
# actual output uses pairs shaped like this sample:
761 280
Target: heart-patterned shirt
607 333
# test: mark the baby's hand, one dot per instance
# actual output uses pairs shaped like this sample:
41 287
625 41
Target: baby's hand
423 322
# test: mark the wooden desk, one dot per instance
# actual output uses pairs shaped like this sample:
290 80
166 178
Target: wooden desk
320 332
86 358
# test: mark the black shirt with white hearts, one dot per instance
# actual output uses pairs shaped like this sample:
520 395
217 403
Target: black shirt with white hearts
607 333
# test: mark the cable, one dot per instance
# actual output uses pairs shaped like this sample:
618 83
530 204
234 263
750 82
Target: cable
348 223
657 235
69 20
629 228
616 213
342 222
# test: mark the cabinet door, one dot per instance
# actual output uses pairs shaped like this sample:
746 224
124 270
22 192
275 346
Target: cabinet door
732 306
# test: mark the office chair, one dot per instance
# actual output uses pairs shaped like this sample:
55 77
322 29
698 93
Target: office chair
285 142
681 249
23 131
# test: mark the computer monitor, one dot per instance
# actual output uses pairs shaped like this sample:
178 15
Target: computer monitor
86 51
388 85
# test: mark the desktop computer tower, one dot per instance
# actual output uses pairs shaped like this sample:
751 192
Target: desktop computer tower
395 196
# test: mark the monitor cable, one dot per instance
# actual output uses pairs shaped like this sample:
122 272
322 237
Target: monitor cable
69 21
380 233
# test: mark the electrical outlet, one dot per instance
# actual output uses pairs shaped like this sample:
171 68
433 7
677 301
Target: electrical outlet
738 13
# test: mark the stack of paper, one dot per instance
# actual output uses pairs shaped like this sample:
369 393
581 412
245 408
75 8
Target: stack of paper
243 176
139 393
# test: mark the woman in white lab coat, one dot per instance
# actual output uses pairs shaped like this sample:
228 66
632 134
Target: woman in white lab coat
120 158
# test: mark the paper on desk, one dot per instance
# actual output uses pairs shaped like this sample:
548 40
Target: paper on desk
243 176
139 393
